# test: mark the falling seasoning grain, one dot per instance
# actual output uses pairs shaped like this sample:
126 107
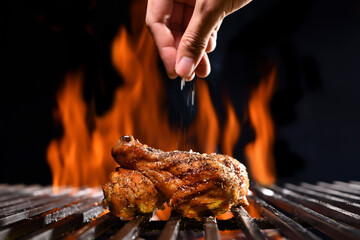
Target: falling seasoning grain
182 84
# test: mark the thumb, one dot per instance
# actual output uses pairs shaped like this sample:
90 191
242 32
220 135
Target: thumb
194 41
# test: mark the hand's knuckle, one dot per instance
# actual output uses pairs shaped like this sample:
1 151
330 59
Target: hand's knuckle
209 7
148 21
194 43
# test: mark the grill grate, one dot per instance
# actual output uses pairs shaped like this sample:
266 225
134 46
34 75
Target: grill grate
305 211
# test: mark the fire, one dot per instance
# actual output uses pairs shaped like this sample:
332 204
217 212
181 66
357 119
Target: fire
259 153
232 130
82 156
75 157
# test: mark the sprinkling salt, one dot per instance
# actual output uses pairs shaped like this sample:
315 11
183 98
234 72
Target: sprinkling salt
182 84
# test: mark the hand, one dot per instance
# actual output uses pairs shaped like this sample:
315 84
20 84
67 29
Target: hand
184 32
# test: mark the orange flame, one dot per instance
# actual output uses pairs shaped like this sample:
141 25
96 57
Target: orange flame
259 153
232 130
82 156
77 155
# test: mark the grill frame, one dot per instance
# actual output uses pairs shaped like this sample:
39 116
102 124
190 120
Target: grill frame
304 211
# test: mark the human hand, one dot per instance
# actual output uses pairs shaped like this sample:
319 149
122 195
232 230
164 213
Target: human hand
184 32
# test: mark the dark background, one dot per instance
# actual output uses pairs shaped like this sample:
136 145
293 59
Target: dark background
313 44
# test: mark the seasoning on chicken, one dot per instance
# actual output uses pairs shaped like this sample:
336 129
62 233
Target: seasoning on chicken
129 193
194 184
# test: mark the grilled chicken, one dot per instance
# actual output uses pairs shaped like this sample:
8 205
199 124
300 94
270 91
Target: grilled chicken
194 184
129 192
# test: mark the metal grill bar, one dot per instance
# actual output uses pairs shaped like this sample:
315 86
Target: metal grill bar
249 228
336 193
321 207
33 212
18 200
30 212
339 202
36 208
171 229
19 192
35 223
24 204
57 229
352 184
211 229
357 183
7 189
132 229
319 221
339 188
93 229
288 226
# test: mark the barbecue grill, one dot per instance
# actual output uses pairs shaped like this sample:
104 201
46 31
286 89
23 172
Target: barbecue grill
304 211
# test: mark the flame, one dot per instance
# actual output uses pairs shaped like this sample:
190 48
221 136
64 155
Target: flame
232 130
82 156
259 153
205 129
80 153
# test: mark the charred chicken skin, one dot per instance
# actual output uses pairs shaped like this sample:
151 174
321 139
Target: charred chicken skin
194 184
129 192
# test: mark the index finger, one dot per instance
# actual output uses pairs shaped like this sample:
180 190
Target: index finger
157 16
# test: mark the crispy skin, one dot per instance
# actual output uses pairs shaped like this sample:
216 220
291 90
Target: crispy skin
192 183
129 192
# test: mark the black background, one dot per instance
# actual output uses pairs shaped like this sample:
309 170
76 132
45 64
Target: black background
314 45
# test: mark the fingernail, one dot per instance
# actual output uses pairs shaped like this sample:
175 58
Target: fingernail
185 67
191 77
